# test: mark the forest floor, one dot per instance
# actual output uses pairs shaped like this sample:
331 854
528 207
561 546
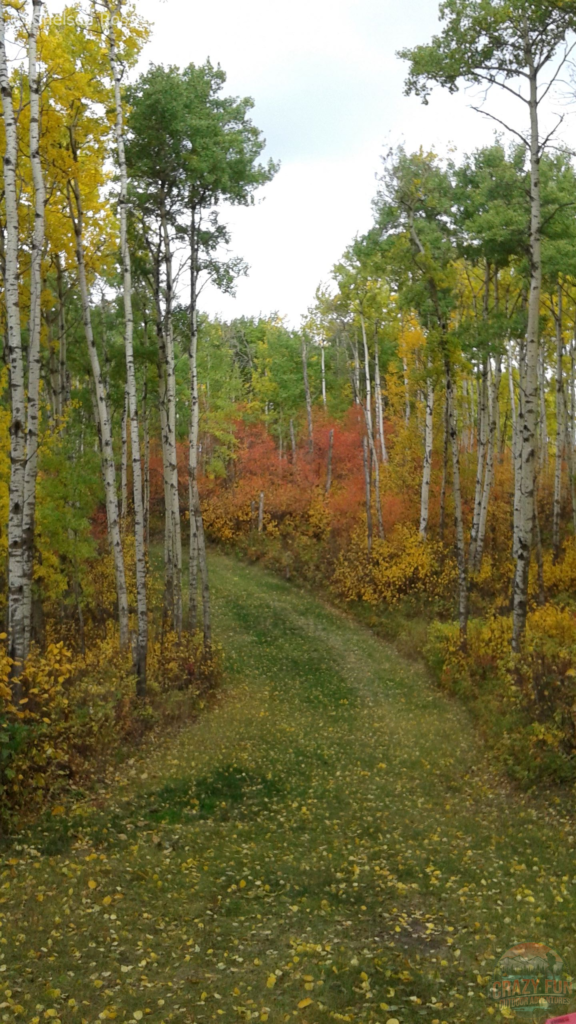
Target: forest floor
328 842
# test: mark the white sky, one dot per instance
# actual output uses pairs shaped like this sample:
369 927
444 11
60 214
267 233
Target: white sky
328 93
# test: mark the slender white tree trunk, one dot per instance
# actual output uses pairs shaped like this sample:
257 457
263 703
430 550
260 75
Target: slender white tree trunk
141 570
458 514
197 540
427 469
63 396
172 450
494 407
560 433
16 589
293 442
261 513
370 430
146 421
368 486
529 406
544 441
323 357
308 396
480 463
379 406
104 425
124 459
31 470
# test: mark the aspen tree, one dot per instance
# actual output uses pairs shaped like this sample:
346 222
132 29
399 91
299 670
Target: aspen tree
17 630
510 46
114 11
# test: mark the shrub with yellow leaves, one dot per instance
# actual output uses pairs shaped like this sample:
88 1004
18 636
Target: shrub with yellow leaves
403 565
527 702
73 711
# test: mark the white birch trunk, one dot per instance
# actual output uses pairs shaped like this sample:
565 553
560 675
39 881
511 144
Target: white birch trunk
141 571
172 451
16 591
427 468
124 459
379 406
370 430
31 470
105 428
323 358
458 515
560 434
197 539
293 442
530 382
480 463
308 396
544 441
261 513
490 455
368 486
146 419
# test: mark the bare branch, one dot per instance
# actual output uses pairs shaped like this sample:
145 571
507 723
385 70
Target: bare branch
503 123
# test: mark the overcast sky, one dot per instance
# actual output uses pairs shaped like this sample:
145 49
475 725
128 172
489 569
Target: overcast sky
328 92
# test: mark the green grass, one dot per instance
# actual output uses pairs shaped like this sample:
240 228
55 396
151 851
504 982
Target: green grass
331 823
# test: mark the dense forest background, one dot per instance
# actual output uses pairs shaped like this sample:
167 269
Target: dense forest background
410 449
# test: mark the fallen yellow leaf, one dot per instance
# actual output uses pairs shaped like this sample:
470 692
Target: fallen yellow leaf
303 1003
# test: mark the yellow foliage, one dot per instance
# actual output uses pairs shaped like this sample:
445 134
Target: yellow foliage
403 565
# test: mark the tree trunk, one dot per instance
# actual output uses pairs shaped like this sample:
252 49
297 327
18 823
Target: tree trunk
261 513
197 539
63 395
530 384
458 516
494 407
330 454
379 406
31 470
293 442
141 571
560 433
370 431
308 396
445 445
543 416
124 460
368 484
172 450
16 592
105 428
323 357
145 419
427 470
480 462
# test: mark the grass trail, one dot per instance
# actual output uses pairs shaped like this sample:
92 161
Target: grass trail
325 844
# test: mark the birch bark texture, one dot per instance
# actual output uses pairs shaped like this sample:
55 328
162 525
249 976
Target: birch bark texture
16 584
104 423
34 366
141 649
